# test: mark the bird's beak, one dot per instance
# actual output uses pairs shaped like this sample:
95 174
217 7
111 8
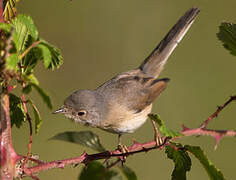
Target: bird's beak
61 110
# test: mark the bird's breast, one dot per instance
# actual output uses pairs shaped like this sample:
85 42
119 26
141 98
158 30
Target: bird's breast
125 121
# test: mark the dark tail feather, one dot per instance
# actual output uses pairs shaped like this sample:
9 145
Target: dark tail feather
155 62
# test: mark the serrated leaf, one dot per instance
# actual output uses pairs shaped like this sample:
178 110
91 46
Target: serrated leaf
181 159
227 34
128 172
96 171
84 138
17 113
11 62
31 58
162 127
24 27
43 95
37 118
46 55
212 171
56 57
26 21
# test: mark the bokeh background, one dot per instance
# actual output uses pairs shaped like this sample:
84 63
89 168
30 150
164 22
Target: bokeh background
99 39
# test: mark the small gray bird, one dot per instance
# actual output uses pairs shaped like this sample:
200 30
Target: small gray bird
122 104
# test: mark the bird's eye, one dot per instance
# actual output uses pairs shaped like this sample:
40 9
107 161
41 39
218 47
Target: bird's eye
81 113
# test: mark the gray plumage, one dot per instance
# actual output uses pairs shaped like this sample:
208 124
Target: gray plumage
154 63
122 104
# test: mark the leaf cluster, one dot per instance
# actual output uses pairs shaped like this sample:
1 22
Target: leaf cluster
18 59
179 154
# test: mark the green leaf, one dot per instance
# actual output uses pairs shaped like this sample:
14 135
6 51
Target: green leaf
56 57
129 173
181 159
212 171
84 138
32 58
162 127
17 113
37 118
43 95
11 62
96 171
227 34
24 28
46 55
6 27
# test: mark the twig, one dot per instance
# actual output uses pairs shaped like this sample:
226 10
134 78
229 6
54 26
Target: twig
31 159
219 109
216 134
30 129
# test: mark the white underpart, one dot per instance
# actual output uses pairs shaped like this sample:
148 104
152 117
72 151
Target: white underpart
134 123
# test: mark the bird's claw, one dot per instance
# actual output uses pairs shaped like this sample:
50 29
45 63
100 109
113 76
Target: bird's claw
123 149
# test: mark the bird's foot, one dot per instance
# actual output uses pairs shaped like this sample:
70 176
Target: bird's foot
158 139
123 149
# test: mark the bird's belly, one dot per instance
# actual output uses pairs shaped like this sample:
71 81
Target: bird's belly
130 125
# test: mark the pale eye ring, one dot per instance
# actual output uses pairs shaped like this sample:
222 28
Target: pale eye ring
81 113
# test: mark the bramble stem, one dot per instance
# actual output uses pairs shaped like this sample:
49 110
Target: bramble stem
8 155
219 109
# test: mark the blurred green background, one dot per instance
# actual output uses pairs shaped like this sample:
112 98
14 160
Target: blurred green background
100 39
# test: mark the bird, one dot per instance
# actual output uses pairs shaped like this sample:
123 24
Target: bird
122 104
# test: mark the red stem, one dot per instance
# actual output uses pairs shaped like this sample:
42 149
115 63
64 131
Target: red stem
217 134
8 155
219 109
86 158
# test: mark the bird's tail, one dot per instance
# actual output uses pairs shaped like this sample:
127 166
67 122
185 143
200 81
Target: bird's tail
154 63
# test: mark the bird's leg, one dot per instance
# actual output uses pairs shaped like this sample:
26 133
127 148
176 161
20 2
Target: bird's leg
122 148
157 135
119 141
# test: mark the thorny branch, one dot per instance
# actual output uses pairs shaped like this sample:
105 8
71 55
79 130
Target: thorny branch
219 109
217 134
136 147
86 158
